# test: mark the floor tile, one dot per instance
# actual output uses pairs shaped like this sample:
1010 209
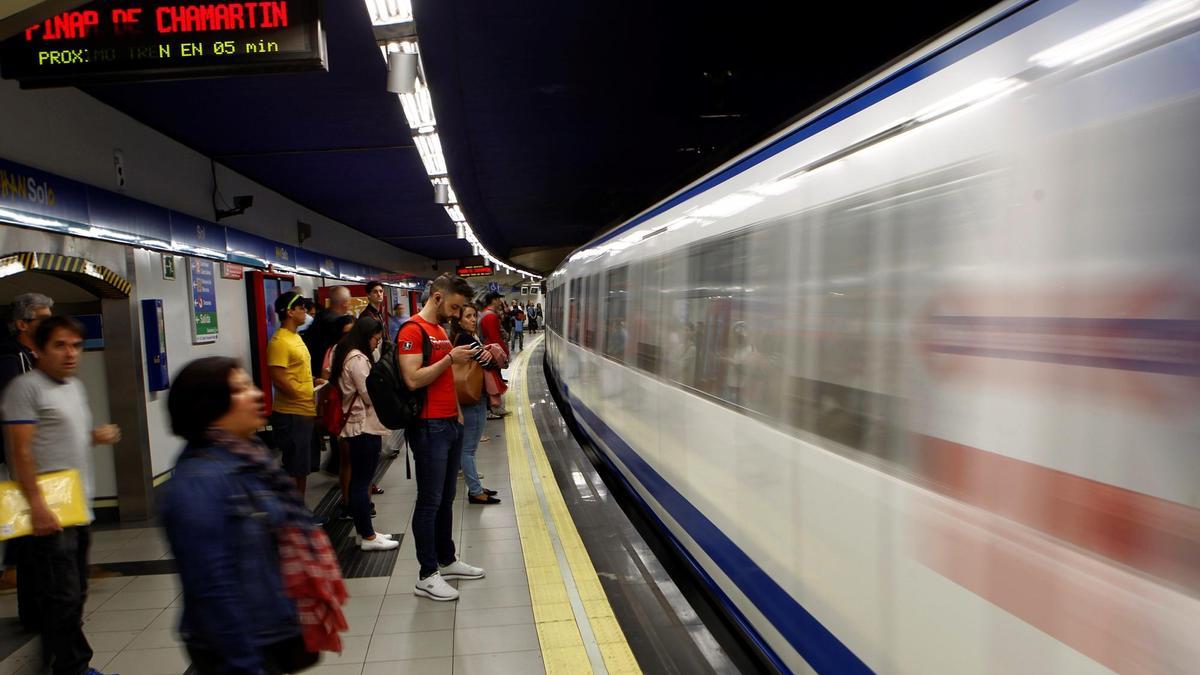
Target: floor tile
127 599
495 639
354 650
137 619
526 663
484 598
406 603
100 660
493 616
498 561
155 582
168 620
343 669
495 546
371 586
503 577
414 622
404 646
155 639
439 666
360 625
363 605
169 661
110 641
109 585
492 534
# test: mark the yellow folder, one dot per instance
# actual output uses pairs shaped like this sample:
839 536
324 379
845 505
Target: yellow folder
63 491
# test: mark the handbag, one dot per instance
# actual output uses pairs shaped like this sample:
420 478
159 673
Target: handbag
63 491
468 382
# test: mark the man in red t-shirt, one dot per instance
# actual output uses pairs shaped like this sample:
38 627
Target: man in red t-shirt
436 440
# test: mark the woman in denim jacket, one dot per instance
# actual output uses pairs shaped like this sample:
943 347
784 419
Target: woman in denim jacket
223 512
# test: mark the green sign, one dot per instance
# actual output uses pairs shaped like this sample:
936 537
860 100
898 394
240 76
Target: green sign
203 283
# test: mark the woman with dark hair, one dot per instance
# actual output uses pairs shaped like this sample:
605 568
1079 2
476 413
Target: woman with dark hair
262 591
462 332
363 433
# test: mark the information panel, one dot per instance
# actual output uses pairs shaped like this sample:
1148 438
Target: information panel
139 40
204 301
475 271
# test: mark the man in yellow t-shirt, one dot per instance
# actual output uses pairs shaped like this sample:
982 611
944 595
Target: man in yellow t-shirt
294 406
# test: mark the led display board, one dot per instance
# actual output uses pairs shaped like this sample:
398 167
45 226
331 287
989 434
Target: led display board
138 40
475 271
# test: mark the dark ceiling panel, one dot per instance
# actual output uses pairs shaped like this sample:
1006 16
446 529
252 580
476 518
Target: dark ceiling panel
336 142
560 119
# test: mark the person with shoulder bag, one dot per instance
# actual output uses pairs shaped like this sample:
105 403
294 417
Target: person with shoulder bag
262 590
360 427
468 383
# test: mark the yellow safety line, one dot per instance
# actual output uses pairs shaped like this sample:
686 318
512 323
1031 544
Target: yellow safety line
565 610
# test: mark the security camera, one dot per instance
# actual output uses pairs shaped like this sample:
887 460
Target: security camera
240 204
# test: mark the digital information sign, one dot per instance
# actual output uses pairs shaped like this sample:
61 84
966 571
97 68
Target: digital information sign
140 40
475 271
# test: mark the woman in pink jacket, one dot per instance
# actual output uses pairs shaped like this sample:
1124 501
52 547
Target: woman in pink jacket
363 432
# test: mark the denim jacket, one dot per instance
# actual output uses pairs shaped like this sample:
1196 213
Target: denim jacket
219 515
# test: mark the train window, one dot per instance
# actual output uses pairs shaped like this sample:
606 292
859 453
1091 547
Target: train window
647 318
715 270
615 301
573 306
591 310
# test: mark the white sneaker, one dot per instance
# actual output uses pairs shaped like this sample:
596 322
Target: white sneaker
461 570
379 543
435 587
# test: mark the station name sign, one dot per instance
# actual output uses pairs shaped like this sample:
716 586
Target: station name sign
475 271
140 40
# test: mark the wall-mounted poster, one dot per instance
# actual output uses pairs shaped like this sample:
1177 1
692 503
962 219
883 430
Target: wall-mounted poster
204 301
168 262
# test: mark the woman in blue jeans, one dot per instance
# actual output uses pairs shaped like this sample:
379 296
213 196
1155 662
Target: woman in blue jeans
363 432
462 332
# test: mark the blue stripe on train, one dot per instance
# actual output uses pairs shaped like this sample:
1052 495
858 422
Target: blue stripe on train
999 28
819 647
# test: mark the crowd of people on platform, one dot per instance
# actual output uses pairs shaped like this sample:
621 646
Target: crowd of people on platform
262 588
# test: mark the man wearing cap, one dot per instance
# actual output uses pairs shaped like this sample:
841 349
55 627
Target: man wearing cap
294 406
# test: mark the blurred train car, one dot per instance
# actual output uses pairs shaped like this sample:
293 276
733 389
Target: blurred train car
914 383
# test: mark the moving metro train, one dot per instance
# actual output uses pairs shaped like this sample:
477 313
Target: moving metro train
913 383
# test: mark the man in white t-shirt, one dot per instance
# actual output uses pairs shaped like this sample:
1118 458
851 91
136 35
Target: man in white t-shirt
48 427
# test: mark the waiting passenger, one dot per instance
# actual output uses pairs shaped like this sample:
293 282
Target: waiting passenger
462 333
518 320
17 357
491 333
377 305
363 432
294 407
436 439
310 309
49 428
262 591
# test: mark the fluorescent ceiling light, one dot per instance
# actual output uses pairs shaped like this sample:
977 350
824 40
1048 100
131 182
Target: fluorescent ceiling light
727 206
429 146
456 214
1127 29
384 12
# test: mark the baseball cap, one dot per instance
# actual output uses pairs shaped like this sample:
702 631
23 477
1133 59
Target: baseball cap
288 301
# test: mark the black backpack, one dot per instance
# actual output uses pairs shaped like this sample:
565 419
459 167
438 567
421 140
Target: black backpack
396 406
